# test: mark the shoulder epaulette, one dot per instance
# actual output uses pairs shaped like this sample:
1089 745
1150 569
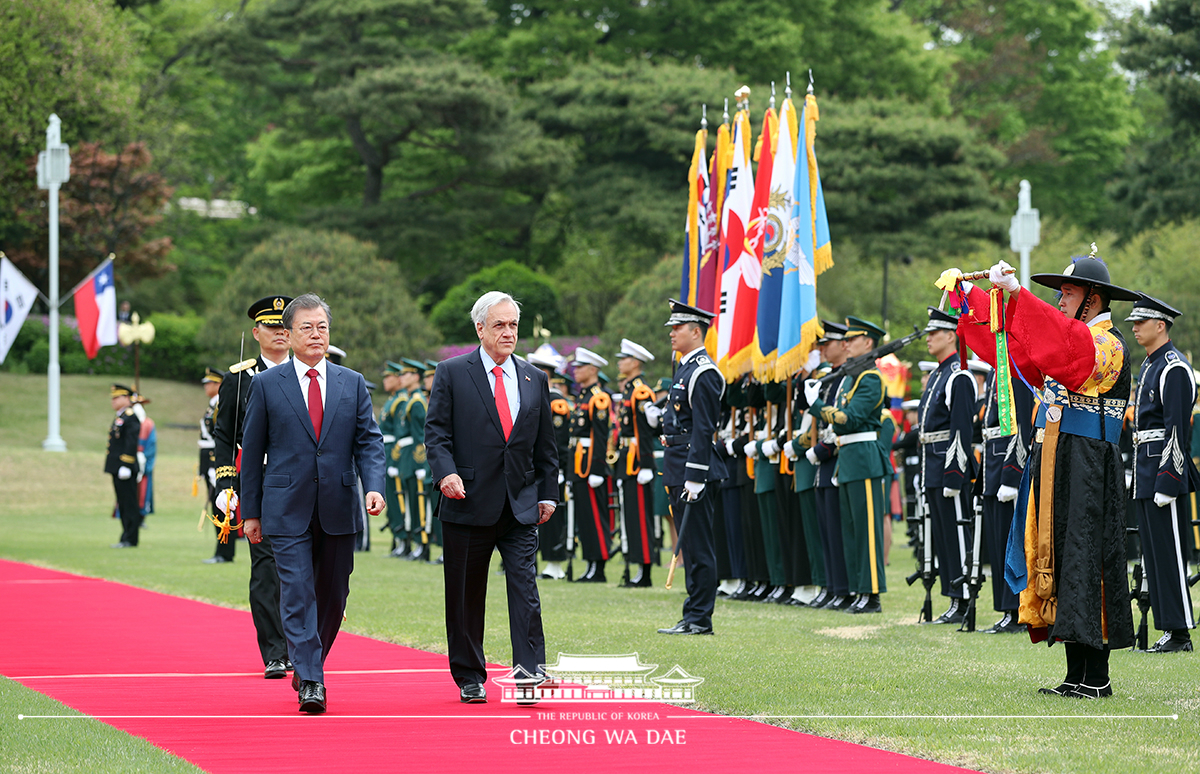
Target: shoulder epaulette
701 359
415 398
242 366
1172 356
129 412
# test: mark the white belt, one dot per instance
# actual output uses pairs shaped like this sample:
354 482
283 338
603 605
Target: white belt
584 442
843 440
389 439
912 460
658 455
936 436
992 433
1157 434
207 444
406 441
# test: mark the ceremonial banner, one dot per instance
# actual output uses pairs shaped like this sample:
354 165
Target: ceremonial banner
96 309
776 242
740 271
16 299
810 254
708 278
695 243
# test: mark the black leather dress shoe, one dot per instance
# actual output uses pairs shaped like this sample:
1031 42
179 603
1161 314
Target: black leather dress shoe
312 697
1006 625
1085 691
953 615
472 693
275 670
216 560
683 627
820 599
869 603
1175 641
1066 689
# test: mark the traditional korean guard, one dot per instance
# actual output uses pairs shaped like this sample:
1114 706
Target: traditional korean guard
635 462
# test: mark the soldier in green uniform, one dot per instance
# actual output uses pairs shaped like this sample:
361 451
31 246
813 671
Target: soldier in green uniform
432 494
552 535
855 417
635 462
587 464
122 463
765 401
389 420
410 461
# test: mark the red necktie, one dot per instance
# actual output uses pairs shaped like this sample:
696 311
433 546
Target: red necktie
316 411
502 402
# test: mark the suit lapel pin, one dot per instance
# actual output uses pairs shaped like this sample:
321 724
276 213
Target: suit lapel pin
527 379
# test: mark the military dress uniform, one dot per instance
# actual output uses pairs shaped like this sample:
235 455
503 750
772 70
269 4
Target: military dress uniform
689 426
804 482
635 469
766 474
947 415
414 467
208 469
389 420
1164 476
227 434
587 463
122 456
552 535
823 455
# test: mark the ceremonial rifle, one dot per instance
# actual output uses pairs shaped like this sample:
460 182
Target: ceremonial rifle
974 577
925 571
856 365
1140 592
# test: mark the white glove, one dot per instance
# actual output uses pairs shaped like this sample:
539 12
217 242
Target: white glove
420 474
814 360
949 493
997 277
212 476
811 456
729 446
653 414
750 449
124 473
692 490
770 447
1162 500
561 478
226 501
595 481
1006 494
141 460
645 476
833 480
393 472
812 390
789 451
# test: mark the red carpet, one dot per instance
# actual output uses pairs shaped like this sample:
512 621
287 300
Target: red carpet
185 676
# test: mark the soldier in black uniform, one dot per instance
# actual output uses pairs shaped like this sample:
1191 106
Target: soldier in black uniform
552 536
1164 473
947 413
588 466
691 462
635 463
273 342
208 463
122 463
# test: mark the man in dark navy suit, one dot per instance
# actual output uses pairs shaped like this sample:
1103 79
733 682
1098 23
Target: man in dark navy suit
310 433
489 433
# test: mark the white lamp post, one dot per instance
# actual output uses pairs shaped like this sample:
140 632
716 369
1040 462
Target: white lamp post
1025 232
53 169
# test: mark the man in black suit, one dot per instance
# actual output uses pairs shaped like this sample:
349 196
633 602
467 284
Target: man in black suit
489 433
310 435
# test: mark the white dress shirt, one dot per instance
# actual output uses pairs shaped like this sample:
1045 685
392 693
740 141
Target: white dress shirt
302 375
512 390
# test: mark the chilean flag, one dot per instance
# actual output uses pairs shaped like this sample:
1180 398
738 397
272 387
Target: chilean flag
96 309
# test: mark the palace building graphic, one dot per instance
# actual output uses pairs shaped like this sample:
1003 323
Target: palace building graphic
584 678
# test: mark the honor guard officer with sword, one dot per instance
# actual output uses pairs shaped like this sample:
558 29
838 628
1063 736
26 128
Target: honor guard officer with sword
691 463
273 343
412 465
1164 474
390 417
208 461
947 413
854 414
588 466
122 463
553 536
635 465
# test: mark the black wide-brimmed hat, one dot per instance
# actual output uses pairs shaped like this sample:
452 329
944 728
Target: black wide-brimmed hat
1088 271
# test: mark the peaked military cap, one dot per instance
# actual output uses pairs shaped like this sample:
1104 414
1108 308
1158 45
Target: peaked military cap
410 366
979 367
1088 271
927 365
634 350
391 368
211 375
1148 308
119 389
940 321
834 331
542 361
335 354
430 367
857 326
269 310
682 313
584 356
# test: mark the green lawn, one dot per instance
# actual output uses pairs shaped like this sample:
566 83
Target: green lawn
764 660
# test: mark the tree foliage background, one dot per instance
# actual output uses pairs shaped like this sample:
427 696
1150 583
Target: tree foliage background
437 143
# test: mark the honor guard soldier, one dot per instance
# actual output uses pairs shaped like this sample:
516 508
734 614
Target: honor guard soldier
1164 474
413 467
1004 458
691 463
854 415
390 418
552 536
823 455
588 466
432 494
947 414
1073 500
122 463
635 463
804 482
273 344
208 462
